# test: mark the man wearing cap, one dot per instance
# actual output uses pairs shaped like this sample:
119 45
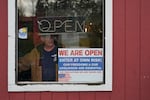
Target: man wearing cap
42 60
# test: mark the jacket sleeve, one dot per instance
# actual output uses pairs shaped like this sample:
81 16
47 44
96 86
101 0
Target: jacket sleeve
24 63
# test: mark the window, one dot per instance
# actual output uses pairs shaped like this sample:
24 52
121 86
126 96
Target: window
60 45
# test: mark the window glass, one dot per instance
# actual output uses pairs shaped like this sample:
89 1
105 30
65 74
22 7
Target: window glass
60 41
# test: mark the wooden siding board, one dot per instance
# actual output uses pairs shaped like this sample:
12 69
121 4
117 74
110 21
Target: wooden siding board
87 95
3 51
145 49
16 96
103 96
132 50
73 96
118 91
46 96
32 96
59 96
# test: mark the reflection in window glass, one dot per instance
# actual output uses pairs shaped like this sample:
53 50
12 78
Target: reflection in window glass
60 41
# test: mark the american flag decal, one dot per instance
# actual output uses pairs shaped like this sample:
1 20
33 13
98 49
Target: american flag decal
64 77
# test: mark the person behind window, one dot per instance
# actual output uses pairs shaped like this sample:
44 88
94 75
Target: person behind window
42 60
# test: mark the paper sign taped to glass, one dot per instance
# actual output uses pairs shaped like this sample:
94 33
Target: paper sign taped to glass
81 65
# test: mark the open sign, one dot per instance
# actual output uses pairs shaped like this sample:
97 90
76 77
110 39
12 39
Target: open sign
61 24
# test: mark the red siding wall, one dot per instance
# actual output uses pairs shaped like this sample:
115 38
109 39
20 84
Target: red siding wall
131 57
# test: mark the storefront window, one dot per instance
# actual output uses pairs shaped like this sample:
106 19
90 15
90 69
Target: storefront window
60 42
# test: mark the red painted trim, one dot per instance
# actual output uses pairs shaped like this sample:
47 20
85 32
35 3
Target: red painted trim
145 49
132 50
119 50
3 50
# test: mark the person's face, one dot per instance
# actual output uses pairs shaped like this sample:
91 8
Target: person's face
48 40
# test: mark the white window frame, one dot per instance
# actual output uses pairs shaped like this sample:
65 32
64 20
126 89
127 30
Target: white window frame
12 86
